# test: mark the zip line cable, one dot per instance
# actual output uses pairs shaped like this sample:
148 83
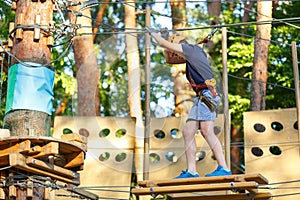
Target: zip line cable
98 2
287 23
142 31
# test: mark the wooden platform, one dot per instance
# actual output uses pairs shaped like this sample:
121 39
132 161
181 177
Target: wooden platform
59 159
184 189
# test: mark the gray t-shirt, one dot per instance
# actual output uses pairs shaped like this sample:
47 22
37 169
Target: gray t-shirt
197 66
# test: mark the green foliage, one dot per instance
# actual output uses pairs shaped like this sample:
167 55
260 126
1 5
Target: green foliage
238 105
6 16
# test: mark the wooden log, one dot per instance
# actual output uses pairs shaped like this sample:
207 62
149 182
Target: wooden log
195 188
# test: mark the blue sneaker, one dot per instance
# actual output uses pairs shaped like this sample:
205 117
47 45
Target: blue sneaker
187 174
220 171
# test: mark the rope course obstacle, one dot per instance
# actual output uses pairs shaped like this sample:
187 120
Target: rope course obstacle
186 188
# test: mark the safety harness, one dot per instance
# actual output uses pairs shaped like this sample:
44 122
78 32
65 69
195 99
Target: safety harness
209 84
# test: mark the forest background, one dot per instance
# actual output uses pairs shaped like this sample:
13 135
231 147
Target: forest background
104 73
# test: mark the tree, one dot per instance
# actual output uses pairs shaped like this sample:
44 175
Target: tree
214 11
87 73
99 17
183 94
261 51
134 83
30 46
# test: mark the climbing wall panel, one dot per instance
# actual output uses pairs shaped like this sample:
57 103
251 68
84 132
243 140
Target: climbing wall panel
272 148
108 164
167 151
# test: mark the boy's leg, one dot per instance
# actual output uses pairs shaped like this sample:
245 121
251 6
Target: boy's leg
207 130
189 131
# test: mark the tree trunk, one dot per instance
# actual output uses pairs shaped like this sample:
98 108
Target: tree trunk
248 7
183 93
87 74
214 10
178 9
134 97
261 50
29 46
99 17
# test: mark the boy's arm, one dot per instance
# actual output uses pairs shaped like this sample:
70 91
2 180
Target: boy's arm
166 44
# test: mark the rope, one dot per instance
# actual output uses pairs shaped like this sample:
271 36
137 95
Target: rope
1 73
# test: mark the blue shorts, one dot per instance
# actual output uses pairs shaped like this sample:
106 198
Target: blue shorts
200 111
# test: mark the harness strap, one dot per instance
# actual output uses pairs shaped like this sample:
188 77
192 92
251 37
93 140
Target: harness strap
200 86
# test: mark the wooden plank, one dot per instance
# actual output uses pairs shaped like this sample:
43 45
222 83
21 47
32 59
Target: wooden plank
8 148
50 168
4 133
202 180
74 137
257 196
74 160
19 161
34 150
49 193
195 188
29 190
66 148
15 148
79 145
48 149
12 190
4 161
3 178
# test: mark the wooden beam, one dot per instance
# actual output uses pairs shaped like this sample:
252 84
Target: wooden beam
2 177
68 147
4 133
48 149
50 168
15 148
74 160
195 188
49 193
74 137
257 196
19 161
202 180
29 190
